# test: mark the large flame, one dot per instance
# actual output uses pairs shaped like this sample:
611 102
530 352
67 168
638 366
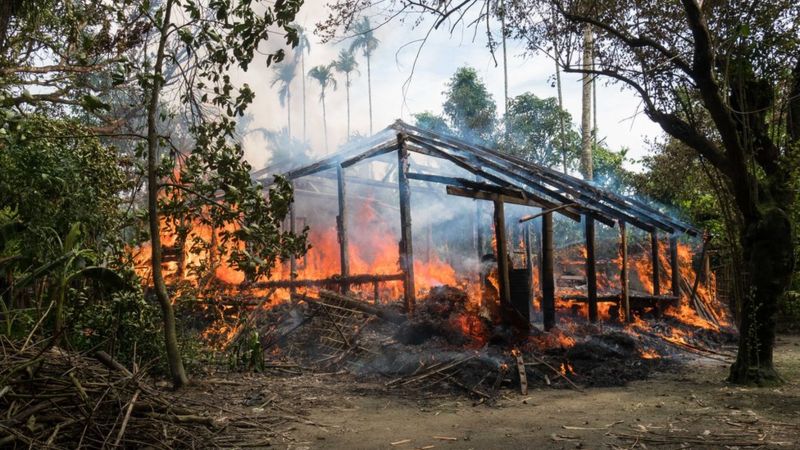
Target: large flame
373 249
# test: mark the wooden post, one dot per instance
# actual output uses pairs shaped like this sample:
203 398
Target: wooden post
656 262
707 272
676 272
341 221
623 276
548 282
528 250
292 229
591 268
502 252
406 246
536 228
478 235
526 229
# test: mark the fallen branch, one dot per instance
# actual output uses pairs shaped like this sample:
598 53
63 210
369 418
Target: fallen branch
558 372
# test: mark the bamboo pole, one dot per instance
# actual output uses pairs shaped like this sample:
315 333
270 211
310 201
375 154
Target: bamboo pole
655 261
623 276
341 220
528 249
292 229
591 268
502 252
673 257
548 282
406 246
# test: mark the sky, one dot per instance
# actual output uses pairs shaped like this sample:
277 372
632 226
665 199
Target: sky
620 119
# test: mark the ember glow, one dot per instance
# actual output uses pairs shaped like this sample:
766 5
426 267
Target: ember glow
373 249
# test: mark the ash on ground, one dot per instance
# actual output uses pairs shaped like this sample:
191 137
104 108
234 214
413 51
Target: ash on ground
449 345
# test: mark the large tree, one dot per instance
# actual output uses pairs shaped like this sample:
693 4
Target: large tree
727 85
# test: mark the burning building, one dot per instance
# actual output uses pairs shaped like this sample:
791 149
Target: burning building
407 209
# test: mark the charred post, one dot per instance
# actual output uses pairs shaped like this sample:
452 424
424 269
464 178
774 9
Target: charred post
656 263
341 221
502 253
673 258
591 268
528 249
623 275
548 282
292 229
406 247
478 235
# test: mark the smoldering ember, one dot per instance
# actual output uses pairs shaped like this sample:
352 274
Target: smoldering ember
399 225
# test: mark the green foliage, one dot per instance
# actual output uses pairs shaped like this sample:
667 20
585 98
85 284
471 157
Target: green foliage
431 121
212 185
609 171
324 76
788 316
284 74
469 106
534 132
364 39
57 171
246 352
55 174
346 63
123 323
675 177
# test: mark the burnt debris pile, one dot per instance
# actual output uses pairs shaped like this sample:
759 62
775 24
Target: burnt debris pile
448 345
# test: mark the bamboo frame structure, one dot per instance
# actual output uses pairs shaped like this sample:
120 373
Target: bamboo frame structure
499 178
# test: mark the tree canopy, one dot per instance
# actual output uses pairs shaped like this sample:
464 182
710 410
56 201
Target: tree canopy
469 107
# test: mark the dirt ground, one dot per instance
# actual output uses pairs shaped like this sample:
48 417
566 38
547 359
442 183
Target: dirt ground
689 407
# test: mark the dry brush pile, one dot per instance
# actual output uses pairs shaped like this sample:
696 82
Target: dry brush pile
52 398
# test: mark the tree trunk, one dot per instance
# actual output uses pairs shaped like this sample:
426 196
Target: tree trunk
325 122
586 112
174 360
561 137
303 71
347 94
767 243
289 113
369 92
505 61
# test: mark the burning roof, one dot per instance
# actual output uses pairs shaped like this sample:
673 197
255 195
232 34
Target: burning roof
519 181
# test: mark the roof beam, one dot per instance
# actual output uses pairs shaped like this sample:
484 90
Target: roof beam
579 188
431 148
515 196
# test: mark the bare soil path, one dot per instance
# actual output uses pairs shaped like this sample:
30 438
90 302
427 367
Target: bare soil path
691 407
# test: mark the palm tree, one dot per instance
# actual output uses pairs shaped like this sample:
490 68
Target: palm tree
324 76
366 41
303 47
284 74
346 64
